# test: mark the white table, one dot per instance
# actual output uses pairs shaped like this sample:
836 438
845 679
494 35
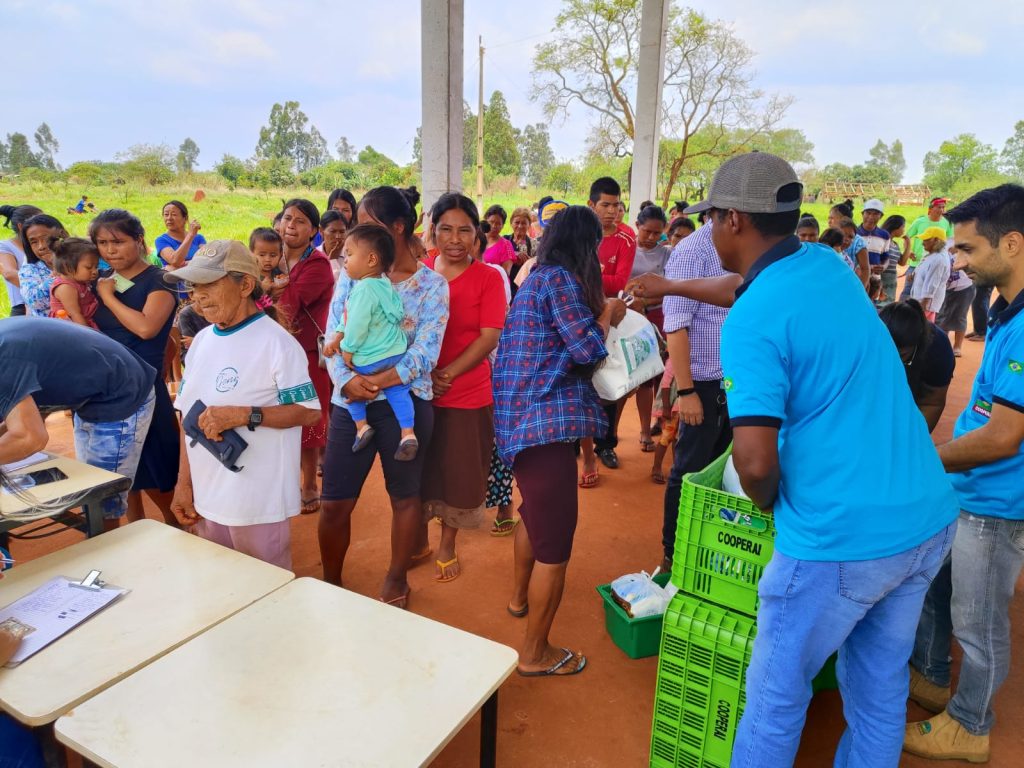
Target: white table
180 586
86 486
311 675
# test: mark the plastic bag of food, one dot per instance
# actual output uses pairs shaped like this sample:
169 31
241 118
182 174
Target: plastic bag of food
639 595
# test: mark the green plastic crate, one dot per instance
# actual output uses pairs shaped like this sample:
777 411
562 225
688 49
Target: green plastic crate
638 638
723 542
700 695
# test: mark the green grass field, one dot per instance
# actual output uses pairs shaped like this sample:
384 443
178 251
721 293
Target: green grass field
234 214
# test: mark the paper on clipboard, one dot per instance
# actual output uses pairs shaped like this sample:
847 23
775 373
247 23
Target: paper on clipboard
28 461
50 611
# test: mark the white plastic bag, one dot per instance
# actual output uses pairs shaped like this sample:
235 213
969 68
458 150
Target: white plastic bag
731 480
640 596
633 358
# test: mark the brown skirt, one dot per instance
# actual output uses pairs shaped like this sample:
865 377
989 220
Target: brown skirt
457 465
316 435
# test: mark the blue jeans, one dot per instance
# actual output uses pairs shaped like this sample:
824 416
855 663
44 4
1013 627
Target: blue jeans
398 396
115 446
19 747
868 611
971 599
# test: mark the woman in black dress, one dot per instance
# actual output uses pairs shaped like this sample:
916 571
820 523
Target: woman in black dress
137 310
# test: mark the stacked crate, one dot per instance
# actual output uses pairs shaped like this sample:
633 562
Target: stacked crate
723 543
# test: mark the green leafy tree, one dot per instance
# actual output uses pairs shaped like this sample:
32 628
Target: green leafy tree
48 147
19 153
501 150
231 169
286 137
271 172
1011 160
188 153
149 163
791 144
86 174
859 174
346 152
888 158
535 150
961 159
562 179
313 150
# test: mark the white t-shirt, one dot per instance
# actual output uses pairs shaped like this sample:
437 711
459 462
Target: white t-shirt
930 279
256 363
504 279
8 246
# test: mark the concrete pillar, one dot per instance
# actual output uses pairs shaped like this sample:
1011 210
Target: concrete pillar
441 26
653 34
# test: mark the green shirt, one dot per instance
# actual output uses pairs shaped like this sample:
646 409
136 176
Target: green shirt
372 321
921 223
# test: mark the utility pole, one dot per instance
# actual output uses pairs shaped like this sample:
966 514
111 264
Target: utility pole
480 134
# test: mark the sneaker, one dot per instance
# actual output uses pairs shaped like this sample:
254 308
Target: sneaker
363 439
608 458
943 738
407 449
932 697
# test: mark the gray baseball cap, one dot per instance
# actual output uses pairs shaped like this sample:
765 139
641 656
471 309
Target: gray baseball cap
213 261
750 183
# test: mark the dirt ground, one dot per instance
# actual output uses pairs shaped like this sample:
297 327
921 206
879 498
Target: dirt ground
602 717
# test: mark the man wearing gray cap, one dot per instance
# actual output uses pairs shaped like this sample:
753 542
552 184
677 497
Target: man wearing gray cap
245 372
851 565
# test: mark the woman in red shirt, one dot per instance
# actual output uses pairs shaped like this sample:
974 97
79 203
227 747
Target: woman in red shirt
458 463
305 301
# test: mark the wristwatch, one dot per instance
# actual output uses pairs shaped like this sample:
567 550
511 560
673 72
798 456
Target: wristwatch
255 418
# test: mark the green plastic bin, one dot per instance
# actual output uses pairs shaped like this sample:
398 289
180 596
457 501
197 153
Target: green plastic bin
638 638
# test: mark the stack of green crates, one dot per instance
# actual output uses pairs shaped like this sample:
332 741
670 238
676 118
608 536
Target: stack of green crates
723 543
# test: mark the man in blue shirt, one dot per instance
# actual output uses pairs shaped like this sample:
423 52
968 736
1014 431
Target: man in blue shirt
971 595
851 563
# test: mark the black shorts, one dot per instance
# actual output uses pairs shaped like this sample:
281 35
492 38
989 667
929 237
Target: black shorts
546 476
345 472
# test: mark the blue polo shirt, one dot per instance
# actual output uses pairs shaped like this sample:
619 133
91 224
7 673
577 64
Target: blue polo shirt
813 368
995 489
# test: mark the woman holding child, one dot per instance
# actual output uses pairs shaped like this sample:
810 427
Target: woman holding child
424 295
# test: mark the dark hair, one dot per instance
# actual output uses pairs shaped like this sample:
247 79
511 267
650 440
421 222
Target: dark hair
833 238
451 201
909 327
342 194
41 220
776 224
894 222
278 216
995 212
651 212
265 235
680 207
481 236
702 217
119 220
306 207
808 222
391 205
543 201
485 227
379 239
606 185
332 215
570 241
15 216
646 203
843 209
681 222
177 204
497 210
69 252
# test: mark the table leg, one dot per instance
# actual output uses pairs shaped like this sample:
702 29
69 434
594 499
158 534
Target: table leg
489 732
93 509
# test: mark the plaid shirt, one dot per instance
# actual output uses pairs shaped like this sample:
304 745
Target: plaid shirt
694 257
539 396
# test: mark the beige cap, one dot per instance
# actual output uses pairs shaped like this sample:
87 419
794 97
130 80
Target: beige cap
215 260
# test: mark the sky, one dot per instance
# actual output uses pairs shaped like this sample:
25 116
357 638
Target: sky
106 74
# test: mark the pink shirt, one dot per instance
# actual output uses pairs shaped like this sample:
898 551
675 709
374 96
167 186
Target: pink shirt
87 301
500 252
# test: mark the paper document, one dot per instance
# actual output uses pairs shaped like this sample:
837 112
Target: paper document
51 610
28 461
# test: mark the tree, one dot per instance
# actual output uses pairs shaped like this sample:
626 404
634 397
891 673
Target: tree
231 169
501 151
888 158
285 137
536 154
346 152
958 160
271 172
19 153
562 179
151 163
188 153
1012 158
371 157
48 147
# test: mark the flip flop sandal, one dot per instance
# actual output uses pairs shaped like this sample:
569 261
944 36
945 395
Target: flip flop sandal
646 446
504 527
310 506
520 613
403 599
552 671
589 479
421 556
658 477
444 566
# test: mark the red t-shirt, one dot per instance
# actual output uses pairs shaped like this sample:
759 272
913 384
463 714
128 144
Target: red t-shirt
616 254
476 300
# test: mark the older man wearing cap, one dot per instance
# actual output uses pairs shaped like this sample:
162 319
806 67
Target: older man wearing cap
250 374
933 218
876 240
850 569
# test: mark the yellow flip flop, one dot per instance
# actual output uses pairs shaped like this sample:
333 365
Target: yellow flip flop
444 566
